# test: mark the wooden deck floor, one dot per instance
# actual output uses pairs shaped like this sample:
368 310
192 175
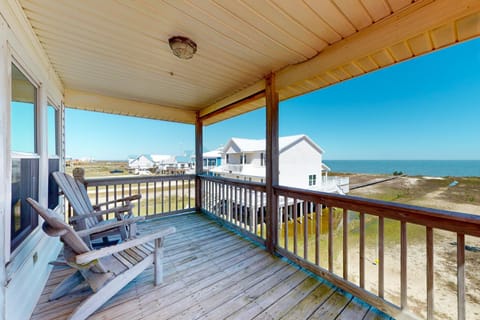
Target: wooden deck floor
213 273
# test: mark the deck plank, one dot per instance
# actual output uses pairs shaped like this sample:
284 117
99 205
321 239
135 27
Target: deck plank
211 273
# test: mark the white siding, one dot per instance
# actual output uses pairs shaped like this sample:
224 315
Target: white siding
22 279
255 158
297 163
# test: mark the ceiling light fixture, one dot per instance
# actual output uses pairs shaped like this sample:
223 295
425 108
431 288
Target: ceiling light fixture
182 47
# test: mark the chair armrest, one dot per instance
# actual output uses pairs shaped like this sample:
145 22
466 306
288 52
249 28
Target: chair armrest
88 257
126 199
109 226
101 213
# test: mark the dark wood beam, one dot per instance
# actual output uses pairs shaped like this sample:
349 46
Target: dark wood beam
198 162
272 152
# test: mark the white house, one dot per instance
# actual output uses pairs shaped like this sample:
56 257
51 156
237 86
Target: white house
300 163
212 159
142 162
163 162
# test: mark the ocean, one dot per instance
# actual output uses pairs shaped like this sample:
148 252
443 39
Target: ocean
435 168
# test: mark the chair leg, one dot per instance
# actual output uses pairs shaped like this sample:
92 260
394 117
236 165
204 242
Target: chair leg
158 256
67 285
96 300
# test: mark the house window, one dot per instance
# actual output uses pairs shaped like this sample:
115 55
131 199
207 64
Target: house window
227 159
312 179
262 160
53 116
25 162
243 159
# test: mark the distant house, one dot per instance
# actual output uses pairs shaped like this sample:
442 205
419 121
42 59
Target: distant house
300 163
212 159
142 162
164 162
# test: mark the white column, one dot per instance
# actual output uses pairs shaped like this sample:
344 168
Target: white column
5 160
42 144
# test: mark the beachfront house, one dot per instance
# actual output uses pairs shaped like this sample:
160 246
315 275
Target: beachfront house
199 63
300 163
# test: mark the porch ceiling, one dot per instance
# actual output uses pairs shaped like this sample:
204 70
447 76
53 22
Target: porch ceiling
113 56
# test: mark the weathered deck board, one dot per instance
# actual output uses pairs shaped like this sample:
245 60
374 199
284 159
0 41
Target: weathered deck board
212 273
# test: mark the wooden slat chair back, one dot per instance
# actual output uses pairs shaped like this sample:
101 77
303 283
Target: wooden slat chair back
77 196
88 216
106 270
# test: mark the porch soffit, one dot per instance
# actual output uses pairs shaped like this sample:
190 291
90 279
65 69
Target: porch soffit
113 56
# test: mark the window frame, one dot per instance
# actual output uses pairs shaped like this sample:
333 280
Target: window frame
17 242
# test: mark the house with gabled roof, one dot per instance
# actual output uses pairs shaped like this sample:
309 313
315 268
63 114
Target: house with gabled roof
300 163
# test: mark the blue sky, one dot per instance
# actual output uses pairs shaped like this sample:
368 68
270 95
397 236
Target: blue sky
424 108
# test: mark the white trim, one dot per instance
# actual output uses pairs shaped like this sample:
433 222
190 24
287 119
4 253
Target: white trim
5 160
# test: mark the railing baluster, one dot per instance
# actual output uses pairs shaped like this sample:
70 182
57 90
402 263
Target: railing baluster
362 250
250 210
106 199
244 208
162 193
230 203
176 194
96 194
317 233
262 215
224 201
155 197
183 194
115 195
461 276
169 195
255 212
305 230
330 239
403 265
295 225
189 191
138 192
286 222
345 244
381 256
236 205
430 273
146 197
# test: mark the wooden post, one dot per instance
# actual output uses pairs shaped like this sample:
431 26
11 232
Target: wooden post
271 97
198 162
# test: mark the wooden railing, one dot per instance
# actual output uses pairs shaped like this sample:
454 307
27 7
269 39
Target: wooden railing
161 195
385 253
240 204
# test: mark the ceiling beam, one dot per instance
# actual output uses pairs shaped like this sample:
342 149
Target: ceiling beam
95 102
240 95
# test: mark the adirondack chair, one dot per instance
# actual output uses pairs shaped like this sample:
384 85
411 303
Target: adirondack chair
105 270
87 216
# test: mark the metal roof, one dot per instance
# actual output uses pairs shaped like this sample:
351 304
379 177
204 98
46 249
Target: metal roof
113 56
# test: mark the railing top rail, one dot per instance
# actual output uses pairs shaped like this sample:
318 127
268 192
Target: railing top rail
101 181
463 223
239 183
